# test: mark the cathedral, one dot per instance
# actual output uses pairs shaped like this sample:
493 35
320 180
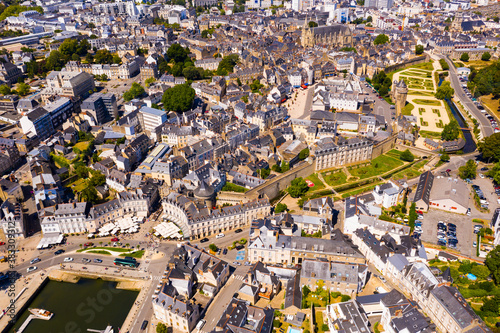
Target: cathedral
336 35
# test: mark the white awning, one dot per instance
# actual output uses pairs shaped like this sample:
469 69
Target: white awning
50 239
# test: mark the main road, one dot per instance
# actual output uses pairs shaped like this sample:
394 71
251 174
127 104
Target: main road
486 127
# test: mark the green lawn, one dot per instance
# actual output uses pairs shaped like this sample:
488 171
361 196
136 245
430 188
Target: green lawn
430 134
334 178
360 190
427 102
136 254
99 252
82 145
424 66
421 93
394 153
115 249
378 166
407 109
78 185
318 184
230 187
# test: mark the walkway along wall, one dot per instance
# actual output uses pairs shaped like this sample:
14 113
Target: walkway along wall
407 63
272 187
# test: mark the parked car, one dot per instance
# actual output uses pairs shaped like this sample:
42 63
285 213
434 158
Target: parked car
224 252
115 239
204 240
85 260
34 261
237 231
220 235
58 252
68 259
98 261
474 244
144 325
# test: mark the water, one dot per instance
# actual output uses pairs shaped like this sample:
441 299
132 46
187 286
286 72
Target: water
76 307
470 144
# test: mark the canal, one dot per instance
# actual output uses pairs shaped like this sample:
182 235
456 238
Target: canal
470 144
78 306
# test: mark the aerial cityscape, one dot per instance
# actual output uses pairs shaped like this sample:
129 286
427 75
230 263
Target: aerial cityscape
249 166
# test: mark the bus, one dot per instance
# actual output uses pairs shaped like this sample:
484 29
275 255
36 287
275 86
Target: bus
127 261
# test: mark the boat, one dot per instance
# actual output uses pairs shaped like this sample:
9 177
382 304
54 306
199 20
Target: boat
41 313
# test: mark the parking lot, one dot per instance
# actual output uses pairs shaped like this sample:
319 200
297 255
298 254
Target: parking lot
465 226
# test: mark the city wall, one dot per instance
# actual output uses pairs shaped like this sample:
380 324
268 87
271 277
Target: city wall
409 62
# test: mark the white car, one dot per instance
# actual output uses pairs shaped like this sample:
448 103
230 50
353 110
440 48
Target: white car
220 236
31 269
68 259
481 175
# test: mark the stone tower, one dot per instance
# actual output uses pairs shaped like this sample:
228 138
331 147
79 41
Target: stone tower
400 91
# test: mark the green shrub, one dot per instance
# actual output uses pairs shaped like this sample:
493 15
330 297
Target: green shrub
345 298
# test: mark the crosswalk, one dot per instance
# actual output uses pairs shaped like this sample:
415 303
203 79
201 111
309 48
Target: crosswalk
238 277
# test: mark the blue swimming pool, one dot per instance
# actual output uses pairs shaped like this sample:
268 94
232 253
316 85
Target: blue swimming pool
471 277
293 330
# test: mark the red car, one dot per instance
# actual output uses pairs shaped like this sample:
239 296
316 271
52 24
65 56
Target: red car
114 239
88 244
2 243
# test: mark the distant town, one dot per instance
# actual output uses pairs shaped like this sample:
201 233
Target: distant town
259 166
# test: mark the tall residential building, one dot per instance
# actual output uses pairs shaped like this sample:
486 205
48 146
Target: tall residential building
100 108
38 122
69 84
151 118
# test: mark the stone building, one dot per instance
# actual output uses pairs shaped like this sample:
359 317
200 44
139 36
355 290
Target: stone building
337 35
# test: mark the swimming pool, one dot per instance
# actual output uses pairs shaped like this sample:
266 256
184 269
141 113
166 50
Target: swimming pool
293 330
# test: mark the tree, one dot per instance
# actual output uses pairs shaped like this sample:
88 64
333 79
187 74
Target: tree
227 64
481 271
103 57
89 194
493 263
97 179
116 59
444 64
149 81
135 90
412 216
407 156
298 187
312 24
238 81
491 306
464 57
161 328
23 89
264 173
490 148
191 73
486 56
444 157
450 131
213 247
444 91
465 267
178 98
468 170
280 208
4 89
381 39
419 49
304 153
177 53
82 171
